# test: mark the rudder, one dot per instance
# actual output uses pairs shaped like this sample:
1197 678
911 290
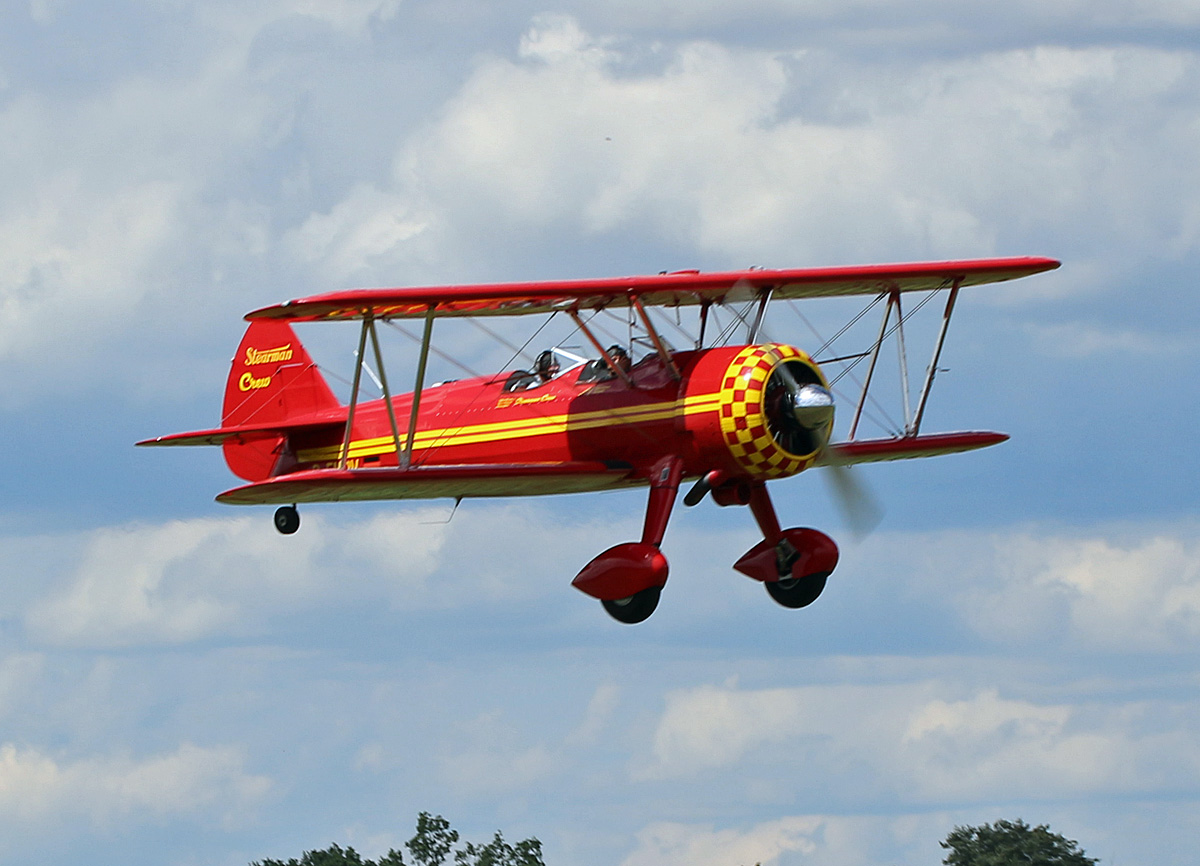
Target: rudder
272 380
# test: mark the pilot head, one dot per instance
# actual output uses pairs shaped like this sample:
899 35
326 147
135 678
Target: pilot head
620 357
546 366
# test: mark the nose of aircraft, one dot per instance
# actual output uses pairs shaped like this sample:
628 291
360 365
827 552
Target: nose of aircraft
812 406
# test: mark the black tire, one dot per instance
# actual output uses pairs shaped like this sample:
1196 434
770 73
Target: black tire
287 519
636 608
797 592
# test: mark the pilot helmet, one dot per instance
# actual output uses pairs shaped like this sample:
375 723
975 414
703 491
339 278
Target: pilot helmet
546 364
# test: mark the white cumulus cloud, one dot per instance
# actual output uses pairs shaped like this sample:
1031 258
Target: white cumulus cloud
920 743
190 782
1140 594
668 844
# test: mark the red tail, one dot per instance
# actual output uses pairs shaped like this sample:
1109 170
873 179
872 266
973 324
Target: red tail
272 381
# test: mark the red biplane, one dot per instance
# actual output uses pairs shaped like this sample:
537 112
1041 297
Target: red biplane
728 417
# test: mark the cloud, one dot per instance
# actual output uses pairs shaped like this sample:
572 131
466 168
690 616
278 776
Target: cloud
499 768
1115 589
366 227
666 844
736 154
1140 594
1077 340
111 224
190 580
597 717
707 727
192 782
745 155
921 746
864 19
811 839
184 581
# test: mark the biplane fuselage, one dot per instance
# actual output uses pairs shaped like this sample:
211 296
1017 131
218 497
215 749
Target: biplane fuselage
733 417
571 419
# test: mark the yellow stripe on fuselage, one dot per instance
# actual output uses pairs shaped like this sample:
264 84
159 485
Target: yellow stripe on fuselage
473 434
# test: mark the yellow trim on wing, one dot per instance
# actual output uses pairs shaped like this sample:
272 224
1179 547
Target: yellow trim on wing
474 434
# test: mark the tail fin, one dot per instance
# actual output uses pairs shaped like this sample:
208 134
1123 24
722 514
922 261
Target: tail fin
272 381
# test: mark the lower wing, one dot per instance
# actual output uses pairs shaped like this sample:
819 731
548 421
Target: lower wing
435 482
906 447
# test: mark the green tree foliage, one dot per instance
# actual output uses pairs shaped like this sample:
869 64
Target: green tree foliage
499 853
430 846
1012 843
335 856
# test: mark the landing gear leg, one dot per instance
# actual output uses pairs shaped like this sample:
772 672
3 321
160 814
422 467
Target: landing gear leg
287 519
764 515
629 578
664 485
793 564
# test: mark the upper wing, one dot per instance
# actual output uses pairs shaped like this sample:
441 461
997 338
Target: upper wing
676 288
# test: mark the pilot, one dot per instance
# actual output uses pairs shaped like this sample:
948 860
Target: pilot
546 367
619 357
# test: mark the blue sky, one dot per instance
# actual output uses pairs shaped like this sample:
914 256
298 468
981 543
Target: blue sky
1017 638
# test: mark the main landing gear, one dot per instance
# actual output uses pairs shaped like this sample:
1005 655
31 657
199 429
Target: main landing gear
633 608
793 564
628 579
287 519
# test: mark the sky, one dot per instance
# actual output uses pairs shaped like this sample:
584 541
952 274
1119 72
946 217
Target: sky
1018 637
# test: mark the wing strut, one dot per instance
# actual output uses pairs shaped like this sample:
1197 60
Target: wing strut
903 361
764 296
862 400
362 345
406 460
937 354
912 420
383 384
654 338
608 359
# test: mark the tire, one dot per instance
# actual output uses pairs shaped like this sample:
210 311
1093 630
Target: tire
797 592
287 519
636 608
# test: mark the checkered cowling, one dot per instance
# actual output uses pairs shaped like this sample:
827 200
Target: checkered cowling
743 422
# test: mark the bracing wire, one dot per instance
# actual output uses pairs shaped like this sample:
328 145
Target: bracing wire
445 356
517 352
495 336
847 369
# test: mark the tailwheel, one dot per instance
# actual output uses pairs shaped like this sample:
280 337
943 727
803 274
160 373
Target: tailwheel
797 592
634 608
287 519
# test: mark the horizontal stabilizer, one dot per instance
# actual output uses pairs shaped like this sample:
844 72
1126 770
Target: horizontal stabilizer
244 432
434 482
906 447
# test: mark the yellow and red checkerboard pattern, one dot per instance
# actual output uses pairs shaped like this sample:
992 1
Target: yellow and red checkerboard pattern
743 424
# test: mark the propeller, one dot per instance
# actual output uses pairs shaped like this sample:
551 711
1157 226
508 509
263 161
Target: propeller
800 416
852 498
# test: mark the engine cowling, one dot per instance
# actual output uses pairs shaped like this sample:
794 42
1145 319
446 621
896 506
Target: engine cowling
773 412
